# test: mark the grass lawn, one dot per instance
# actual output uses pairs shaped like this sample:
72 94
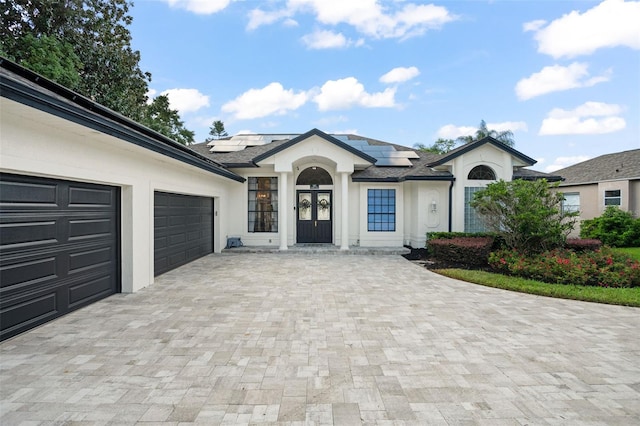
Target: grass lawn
631 251
612 296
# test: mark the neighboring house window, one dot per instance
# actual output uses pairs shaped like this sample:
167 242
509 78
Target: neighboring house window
482 173
263 204
381 210
571 202
472 222
612 198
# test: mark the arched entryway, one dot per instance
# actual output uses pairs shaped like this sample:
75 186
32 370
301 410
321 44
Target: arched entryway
314 218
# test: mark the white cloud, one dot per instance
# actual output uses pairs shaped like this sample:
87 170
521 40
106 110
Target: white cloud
609 24
200 7
399 75
186 100
556 78
514 126
562 162
368 17
348 92
258 17
589 118
533 25
271 99
451 131
325 40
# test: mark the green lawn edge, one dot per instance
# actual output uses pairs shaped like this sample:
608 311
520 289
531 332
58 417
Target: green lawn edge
611 296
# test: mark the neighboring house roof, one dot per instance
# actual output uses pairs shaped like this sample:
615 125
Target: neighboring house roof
26 87
444 158
623 165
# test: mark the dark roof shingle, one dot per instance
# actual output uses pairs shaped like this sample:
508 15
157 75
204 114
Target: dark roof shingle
623 165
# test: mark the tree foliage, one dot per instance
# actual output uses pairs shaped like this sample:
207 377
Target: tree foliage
526 214
615 228
216 131
441 146
505 136
84 45
160 117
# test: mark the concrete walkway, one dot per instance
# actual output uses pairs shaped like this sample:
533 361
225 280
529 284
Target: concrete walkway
313 339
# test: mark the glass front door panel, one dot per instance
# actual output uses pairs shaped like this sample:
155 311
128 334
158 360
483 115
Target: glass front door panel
304 206
323 206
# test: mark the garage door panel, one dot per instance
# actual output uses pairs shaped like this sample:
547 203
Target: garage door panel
23 232
20 274
31 194
82 229
89 259
183 229
29 312
90 290
69 248
82 196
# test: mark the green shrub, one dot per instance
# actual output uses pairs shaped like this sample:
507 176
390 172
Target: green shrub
527 214
604 267
615 228
462 250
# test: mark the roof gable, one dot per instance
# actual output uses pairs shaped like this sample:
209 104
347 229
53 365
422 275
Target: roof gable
445 158
305 136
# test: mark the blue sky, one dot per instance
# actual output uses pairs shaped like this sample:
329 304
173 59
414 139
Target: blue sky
564 76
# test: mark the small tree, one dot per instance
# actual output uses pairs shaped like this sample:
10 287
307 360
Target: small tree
616 228
441 146
217 131
527 214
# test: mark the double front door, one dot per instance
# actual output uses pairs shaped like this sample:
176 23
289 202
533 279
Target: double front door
314 216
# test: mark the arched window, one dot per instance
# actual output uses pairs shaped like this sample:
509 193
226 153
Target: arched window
482 173
314 176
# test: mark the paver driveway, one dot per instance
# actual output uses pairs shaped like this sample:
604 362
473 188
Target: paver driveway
249 338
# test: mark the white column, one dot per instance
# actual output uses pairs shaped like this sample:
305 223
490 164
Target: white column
283 208
344 241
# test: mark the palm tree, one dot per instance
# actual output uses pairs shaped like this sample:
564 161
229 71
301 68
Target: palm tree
505 136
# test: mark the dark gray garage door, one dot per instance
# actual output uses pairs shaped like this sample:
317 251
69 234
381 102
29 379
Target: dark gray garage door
183 229
59 248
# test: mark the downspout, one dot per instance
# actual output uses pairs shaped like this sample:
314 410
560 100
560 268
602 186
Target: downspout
451 204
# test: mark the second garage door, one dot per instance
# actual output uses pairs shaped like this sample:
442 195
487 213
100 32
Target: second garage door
183 229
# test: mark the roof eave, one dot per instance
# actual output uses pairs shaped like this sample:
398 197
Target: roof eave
83 111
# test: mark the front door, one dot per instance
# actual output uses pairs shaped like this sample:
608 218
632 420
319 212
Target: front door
314 216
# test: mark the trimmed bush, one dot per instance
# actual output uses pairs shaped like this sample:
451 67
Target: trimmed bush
615 228
498 241
604 267
583 244
462 250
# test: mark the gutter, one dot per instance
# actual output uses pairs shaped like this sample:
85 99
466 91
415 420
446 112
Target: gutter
451 205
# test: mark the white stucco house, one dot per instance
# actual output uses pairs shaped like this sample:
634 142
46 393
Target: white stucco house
92 203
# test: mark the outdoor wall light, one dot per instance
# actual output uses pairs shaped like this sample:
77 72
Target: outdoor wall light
434 206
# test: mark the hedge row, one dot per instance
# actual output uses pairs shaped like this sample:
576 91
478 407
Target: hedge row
463 250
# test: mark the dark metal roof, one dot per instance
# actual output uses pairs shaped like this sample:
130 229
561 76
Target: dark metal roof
26 87
623 165
443 158
527 174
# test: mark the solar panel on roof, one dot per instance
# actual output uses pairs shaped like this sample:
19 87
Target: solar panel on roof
393 162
